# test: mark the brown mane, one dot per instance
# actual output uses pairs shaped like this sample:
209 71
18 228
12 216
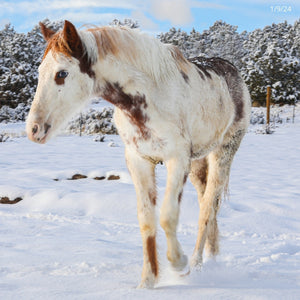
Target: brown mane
58 45
107 40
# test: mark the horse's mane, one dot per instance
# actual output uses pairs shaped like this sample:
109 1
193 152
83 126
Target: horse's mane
146 53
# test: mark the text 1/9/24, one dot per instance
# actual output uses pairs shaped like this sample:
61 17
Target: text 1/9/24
281 9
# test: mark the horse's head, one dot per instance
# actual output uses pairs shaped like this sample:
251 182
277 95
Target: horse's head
65 83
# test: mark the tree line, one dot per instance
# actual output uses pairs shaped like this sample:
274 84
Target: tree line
268 56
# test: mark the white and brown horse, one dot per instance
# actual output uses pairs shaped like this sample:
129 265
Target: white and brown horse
190 114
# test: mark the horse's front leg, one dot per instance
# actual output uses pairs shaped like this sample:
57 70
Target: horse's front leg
143 175
178 170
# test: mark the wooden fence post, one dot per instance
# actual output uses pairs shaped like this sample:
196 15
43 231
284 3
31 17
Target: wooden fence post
268 100
80 124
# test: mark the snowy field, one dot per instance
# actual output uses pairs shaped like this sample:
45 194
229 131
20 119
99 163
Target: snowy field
79 239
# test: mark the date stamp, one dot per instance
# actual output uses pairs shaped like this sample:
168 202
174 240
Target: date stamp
281 9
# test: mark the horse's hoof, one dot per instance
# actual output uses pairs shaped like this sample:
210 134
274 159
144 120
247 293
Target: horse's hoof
196 263
185 271
146 284
181 265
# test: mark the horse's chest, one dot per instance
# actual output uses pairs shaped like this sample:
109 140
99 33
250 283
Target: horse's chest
141 136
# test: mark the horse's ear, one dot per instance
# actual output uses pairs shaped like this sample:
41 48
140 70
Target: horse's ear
72 38
46 32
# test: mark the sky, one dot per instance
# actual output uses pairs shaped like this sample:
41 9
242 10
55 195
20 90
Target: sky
153 16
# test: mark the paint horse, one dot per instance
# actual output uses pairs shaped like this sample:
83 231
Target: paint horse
190 114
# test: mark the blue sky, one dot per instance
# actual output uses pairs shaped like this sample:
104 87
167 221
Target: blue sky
154 16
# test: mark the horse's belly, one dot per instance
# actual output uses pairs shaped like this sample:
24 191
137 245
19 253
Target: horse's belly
209 134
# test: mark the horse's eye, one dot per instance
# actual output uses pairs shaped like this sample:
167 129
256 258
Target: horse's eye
62 74
60 77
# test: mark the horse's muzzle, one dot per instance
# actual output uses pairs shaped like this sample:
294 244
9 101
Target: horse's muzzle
37 133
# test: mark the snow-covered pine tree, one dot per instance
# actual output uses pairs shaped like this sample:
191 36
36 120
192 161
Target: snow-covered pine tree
271 61
20 56
223 40
126 22
178 38
220 40
6 35
295 52
18 76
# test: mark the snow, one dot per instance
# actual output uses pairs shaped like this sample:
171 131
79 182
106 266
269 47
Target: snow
79 239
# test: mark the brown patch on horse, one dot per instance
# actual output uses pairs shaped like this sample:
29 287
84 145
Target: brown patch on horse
68 43
180 196
132 105
153 196
107 41
115 41
199 171
185 77
202 172
152 255
181 61
185 177
202 66
46 32
184 181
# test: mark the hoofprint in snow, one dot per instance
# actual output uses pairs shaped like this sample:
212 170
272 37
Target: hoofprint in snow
80 239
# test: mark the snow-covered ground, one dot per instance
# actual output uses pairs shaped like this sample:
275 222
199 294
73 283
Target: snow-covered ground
79 239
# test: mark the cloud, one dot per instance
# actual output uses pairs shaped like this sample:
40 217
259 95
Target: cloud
86 18
178 12
271 2
147 12
3 22
98 12
75 4
204 4
46 6
145 22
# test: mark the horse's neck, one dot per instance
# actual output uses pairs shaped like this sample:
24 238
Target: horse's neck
141 57
112 72
138 67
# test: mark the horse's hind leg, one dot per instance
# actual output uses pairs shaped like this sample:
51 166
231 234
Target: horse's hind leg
143 175
212 239
198 177
218 169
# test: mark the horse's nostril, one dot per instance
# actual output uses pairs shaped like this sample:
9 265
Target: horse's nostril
35 129
47 127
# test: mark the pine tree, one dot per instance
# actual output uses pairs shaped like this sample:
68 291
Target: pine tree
178 38
220 40
271 61
20 56
223 40
127 22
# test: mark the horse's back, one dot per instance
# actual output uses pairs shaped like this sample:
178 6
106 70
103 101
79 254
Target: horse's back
208 67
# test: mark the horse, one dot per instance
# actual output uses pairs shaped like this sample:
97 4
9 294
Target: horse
190 114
